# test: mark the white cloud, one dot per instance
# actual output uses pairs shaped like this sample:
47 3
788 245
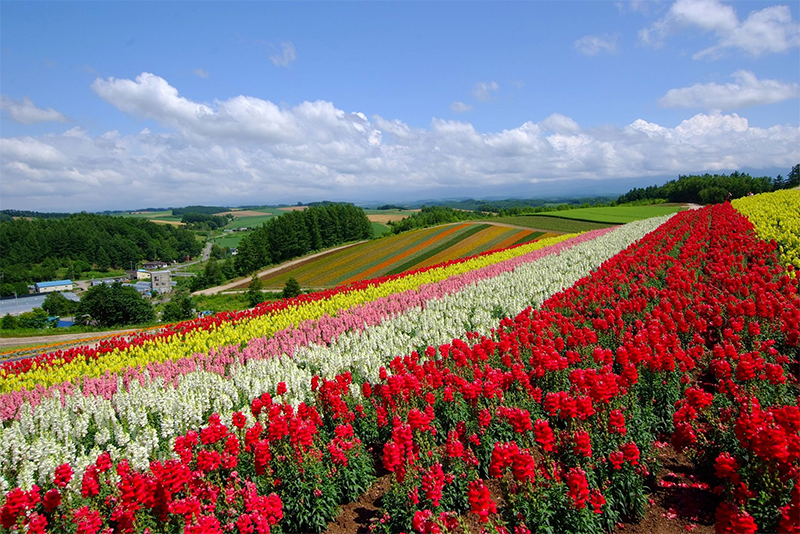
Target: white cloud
287 55
591 45
200 73
483 90
745 92
560 124
25 112
245 150
769 30
460 107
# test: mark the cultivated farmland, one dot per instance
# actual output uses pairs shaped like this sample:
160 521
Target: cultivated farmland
398 253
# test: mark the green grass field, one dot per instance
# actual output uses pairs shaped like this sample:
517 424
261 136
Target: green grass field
615 214
230 240
249 222
379 229
551 224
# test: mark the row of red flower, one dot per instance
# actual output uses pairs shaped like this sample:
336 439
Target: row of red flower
692 334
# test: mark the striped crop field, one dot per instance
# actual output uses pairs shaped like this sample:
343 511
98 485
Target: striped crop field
398 253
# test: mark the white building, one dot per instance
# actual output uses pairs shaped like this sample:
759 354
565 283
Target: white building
55 285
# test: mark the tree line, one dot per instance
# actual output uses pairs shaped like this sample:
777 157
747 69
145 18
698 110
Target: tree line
34 250
297 233
712 188
204 221
432 216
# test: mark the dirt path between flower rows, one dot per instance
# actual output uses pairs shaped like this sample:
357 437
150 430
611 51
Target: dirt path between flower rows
679 504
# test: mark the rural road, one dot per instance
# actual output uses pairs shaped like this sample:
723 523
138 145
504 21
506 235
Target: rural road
238 281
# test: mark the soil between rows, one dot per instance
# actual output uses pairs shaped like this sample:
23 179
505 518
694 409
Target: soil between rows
677 505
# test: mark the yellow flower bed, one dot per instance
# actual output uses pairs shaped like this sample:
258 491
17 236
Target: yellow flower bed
234 333
776 216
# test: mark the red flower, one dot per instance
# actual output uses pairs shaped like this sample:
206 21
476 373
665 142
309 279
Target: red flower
103 462
582 444
597 501
281 388
239 420
727 468
480 500
578 487
62 475
544 435
630 452
52 500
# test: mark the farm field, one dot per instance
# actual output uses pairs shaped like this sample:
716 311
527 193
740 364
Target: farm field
530 389
230 240
397 253
378 229
551 224
615 214
249 221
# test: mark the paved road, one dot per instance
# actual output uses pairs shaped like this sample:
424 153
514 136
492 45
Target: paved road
27 303
45 340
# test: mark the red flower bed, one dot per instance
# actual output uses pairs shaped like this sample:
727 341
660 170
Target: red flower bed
690 335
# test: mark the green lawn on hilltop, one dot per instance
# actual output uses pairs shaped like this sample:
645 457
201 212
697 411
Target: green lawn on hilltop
614 214
250 221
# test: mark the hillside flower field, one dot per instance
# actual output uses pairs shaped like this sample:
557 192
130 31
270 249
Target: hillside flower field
529 387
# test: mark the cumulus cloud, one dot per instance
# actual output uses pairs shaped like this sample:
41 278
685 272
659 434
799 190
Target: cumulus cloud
460 107
246 149
25 112
591 45
287 55
746 91
200 73
484 91
769 30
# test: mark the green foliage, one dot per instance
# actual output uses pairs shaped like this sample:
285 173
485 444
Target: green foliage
297 233
179 307
206 210
15 288
711 189
254 294
57 304
35 319
205 221
9 322
35 250
115 305
291 289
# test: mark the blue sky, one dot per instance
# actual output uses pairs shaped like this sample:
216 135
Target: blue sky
116 105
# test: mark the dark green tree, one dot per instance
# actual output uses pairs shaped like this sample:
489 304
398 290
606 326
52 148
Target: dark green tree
57 304
291 289
213 274
37 319
254 294
9 322
793 180
179 308
115 305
